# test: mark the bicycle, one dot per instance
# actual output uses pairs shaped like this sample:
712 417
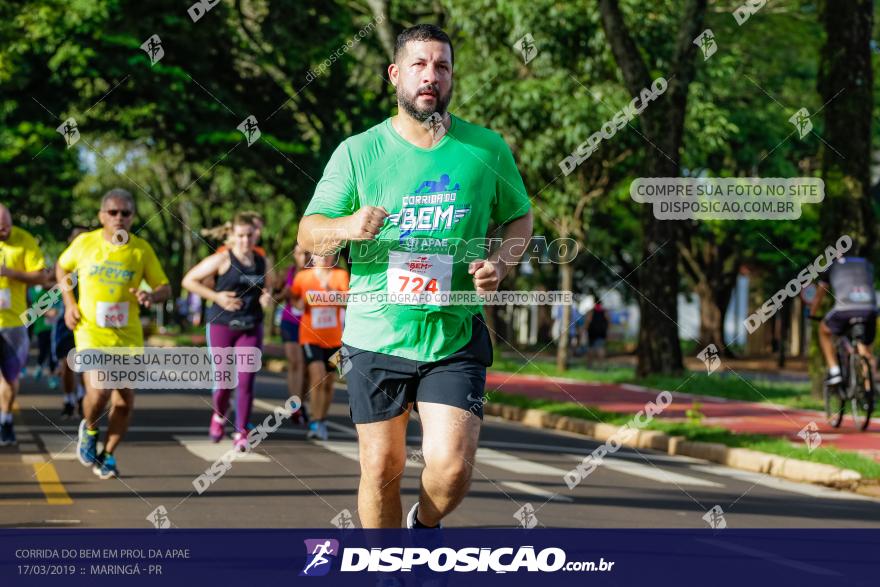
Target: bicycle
857 379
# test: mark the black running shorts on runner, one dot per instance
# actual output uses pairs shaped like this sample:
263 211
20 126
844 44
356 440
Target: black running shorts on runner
381 386
315 352
838 322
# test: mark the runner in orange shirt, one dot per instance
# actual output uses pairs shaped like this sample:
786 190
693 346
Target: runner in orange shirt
320 333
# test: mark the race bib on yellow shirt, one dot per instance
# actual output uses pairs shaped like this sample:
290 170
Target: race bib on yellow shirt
5 298
112 314
416 278
324 318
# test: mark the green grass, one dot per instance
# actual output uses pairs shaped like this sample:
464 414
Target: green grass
721 384
868 468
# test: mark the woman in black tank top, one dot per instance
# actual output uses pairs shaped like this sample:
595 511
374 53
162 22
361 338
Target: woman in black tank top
235 319
246 283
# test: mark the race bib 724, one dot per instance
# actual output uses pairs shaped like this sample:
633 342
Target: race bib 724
417 278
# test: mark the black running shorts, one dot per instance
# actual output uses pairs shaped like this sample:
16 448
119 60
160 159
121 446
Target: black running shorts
838 322
381 386
321 354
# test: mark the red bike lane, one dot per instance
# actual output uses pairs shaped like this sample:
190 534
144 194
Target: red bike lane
734 415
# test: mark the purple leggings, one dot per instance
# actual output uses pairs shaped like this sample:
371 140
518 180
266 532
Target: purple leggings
219 336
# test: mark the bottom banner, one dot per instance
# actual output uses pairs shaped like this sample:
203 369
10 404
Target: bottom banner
440 557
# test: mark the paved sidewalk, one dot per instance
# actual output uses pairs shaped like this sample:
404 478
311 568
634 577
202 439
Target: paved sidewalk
737 416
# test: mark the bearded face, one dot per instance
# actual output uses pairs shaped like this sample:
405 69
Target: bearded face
424 80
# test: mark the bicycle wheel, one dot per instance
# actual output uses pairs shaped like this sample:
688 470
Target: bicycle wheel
862 402
833 404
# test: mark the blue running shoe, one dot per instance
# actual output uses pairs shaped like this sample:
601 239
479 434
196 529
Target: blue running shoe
105 466
7 434
88 446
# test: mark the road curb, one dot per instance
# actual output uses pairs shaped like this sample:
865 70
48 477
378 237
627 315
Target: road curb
737 458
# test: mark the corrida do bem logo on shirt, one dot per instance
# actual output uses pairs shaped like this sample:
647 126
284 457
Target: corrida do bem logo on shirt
431 207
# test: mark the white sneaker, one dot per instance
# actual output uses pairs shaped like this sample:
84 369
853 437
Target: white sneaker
833 377
411 517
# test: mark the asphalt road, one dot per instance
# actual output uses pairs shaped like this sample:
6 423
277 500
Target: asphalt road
289 482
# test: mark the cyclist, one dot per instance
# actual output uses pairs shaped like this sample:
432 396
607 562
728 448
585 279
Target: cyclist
320 333
110 264
424 179
235 319
852 289
21 265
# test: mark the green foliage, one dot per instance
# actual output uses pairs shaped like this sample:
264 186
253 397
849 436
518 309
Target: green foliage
168 131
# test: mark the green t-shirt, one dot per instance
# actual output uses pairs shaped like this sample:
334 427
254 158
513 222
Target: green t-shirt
439 200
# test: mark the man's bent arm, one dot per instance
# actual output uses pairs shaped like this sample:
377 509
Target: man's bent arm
516 237
322 235
37 277
67 296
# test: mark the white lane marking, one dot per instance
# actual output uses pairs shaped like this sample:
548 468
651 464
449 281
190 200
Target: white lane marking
349 450
780 484
201 430
651 472
343 448
59 446
210 451
531 489
568 450
340 428
515 464
269 406
485 456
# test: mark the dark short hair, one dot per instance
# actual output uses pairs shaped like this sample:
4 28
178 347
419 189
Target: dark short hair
422 32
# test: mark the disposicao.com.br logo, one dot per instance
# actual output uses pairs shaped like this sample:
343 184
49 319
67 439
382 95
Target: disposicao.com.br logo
322 552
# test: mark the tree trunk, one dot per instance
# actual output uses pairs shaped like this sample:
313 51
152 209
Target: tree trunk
387 38
713 282
711 318
846 84
659 349
784 317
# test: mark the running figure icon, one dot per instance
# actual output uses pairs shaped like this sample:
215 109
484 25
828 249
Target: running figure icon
319 553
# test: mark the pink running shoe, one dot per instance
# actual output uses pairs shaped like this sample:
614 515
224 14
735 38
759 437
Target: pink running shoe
216 430
240 442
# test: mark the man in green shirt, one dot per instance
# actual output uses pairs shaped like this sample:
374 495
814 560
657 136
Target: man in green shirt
416 195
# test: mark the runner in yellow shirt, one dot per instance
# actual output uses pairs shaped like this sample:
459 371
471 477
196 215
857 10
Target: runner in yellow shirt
110 264
21 264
